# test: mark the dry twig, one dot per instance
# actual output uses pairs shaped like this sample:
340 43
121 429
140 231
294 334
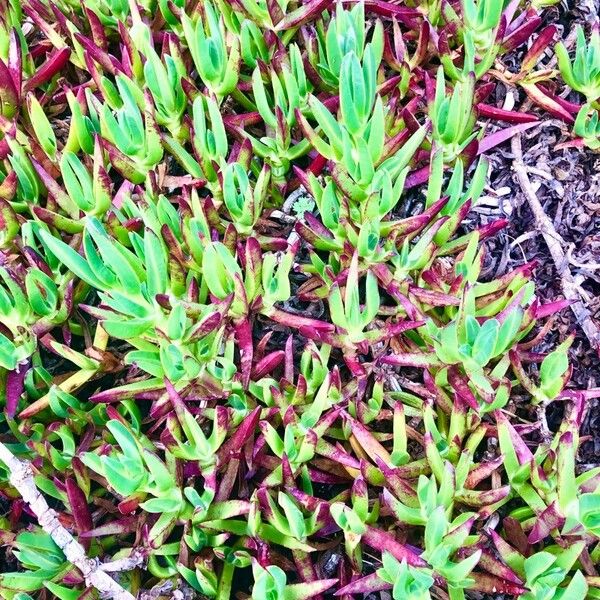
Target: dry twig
555 245
21 477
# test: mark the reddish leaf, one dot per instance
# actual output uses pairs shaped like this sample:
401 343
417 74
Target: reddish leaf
55 63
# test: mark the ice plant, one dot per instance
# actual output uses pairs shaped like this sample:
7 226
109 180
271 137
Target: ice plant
28 308
583 73
408 582
587 128
345 32
452 116
131 139
42 561
216 54
249 343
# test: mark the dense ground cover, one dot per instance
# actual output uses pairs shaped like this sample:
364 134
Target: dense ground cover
263 327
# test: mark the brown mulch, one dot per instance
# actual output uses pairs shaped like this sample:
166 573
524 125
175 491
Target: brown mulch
567 183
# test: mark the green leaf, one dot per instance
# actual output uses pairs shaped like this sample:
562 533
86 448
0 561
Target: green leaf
127 329
435 529
589 512
263 104
29 581
328 124
553 367
269 583
161 505
172 361
156 264
353 94
77 180
41 126
294 516
123 263
538 564
37 549
147 361
70 258
472 329
485 343
459 571
125 440
42 292
161 476
218 268
273 439
508 330
189 576
123 474
187 161
577 588
62 592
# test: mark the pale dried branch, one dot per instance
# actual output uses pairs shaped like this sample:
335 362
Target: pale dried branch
120 565
21 478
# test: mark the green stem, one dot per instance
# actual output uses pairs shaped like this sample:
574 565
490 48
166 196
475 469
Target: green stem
288 35
456 593
225 581
243 100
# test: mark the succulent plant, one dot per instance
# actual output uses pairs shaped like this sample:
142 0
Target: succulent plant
246 335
